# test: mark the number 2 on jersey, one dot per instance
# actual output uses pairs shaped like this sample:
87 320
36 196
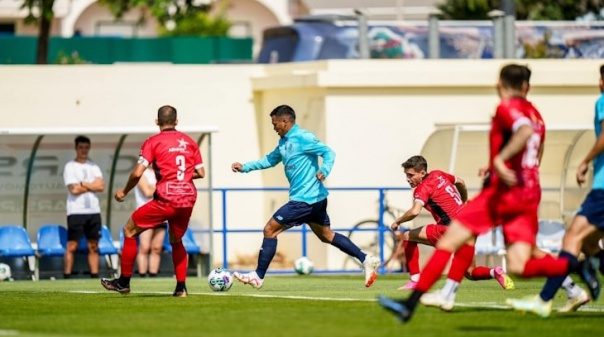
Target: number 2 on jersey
182 166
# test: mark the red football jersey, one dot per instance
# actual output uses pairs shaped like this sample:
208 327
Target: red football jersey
175 157
438 194
511 114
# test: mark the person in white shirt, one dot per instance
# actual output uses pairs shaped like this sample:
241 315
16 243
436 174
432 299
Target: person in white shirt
84 180
150 243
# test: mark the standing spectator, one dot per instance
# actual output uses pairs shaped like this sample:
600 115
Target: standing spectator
151 242
84 180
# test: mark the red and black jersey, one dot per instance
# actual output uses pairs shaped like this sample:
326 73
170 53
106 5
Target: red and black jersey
511 114
438 194
175 157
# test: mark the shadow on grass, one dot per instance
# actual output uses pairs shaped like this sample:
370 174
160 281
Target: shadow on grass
486 328
579 315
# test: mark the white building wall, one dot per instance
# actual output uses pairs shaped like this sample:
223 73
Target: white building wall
374 113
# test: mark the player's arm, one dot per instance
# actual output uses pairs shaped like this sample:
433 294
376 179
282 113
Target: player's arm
200 172
269 160
460 184
514 146
146 187
133 178
409 215
314 146
595 151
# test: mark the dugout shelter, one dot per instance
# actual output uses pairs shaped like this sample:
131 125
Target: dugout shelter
463 148
32 191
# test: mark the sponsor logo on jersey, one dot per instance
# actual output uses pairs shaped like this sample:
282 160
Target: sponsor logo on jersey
182 146
441 181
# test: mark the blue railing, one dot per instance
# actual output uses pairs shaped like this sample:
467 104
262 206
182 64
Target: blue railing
225 230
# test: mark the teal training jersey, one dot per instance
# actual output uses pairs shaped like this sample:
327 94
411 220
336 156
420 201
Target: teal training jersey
598 182
299 151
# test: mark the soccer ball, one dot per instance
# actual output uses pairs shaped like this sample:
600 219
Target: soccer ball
4 272
220 279
303 266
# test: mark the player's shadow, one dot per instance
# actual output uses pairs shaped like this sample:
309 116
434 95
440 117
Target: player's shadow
153 295
486 328
461 310
581 314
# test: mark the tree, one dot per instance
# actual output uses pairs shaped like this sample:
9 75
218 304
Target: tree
40 12
189 17
178 18
525 9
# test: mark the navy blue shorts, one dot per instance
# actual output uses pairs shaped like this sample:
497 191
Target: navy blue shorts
593 208
296 213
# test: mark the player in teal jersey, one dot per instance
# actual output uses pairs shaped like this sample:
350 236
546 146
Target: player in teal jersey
299 151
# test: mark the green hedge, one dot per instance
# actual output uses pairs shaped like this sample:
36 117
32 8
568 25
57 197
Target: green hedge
108 50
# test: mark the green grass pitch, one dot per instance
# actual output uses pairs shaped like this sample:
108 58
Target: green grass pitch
315 305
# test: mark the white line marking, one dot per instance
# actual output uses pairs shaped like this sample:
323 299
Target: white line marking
489 305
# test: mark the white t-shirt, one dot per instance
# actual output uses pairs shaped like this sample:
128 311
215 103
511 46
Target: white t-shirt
138 194
74 173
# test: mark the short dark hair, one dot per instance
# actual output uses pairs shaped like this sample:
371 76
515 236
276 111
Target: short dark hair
418 163
514 75
166 115
81 139
284 111
602 71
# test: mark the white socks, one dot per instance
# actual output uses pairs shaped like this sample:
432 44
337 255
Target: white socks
572 290
449 291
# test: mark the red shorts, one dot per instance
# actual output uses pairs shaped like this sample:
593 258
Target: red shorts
434 232
153 214
514 209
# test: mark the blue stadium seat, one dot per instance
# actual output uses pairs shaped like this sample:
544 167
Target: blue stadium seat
491 244
14 242
550 234
51 240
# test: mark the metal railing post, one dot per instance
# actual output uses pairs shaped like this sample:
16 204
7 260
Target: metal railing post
363 32
498 33
224 230
433 35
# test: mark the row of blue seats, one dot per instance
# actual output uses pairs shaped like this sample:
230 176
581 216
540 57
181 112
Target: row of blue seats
52 241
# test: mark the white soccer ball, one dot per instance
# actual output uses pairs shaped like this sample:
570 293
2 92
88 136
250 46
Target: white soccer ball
4 272
303 266
220 279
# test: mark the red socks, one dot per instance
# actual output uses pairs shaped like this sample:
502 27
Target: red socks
433 270
128 256
462 260
412 256
180 259
546 266
481 273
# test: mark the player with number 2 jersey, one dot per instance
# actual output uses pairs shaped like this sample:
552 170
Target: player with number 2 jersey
515 207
